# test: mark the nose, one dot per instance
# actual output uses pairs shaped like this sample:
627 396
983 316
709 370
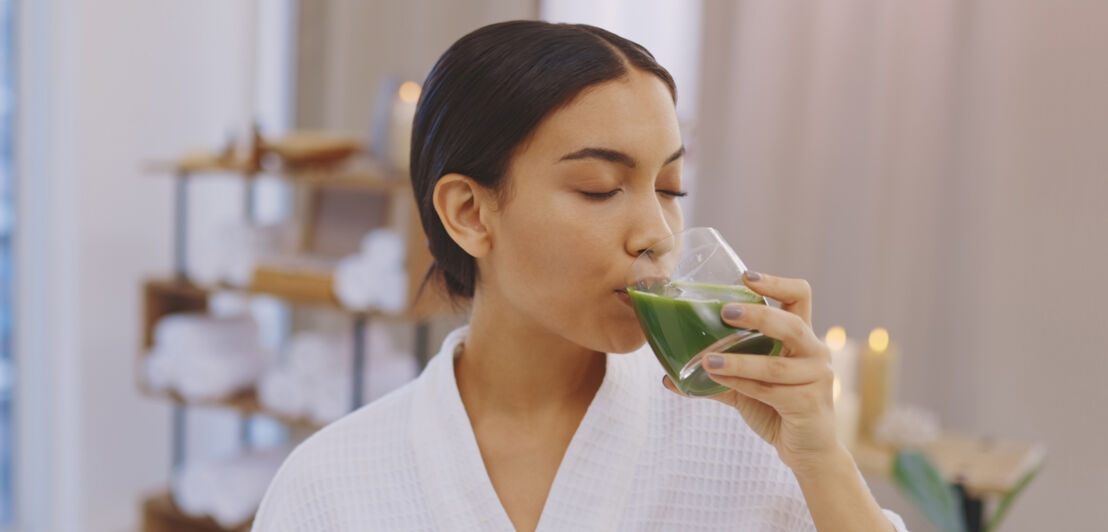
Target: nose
649 228
650 242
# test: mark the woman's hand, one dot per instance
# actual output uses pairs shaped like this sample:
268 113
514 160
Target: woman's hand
786 399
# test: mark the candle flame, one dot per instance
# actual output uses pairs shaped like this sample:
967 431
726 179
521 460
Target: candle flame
836 389
836 338
879 339
409 91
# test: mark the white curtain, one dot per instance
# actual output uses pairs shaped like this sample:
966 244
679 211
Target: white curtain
936 168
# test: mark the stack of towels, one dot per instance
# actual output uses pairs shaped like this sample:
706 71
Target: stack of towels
231 253
205 357
375 277
317 379
228 490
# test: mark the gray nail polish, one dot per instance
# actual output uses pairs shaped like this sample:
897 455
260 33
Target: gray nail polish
732 312
715 361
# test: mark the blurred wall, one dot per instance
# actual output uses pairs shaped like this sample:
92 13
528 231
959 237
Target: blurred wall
935 168
348 47
121 82
108 86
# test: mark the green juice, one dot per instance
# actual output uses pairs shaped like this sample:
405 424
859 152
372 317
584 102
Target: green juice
682 319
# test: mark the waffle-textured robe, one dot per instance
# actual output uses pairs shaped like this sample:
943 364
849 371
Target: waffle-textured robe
642 458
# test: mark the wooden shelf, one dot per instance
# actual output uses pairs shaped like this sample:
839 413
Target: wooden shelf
356 174
245 402
160 514
336 203
314 287
162 297
307 287
984 466
300 288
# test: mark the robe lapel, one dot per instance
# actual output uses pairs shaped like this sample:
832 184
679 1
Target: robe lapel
451 472
593 483
595 479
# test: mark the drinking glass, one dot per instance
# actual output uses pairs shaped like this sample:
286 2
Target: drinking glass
678 287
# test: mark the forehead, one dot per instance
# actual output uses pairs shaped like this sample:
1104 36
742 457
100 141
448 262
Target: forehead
634 114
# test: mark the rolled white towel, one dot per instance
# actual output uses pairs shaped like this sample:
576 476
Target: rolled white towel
192 485
392 292
279 391
159 370
228 304
350 283
238 255
222 254
194 328
205 357
212 375
312 355
375 277
287 388
231 251
360 283
317 381
388 372
385 245
205 264
330 398
244 485
386 369
228 490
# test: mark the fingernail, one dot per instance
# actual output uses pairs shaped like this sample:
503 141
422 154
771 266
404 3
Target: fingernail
715 361
753 275
732 312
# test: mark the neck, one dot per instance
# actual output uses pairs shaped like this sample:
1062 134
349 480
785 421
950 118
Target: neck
514 366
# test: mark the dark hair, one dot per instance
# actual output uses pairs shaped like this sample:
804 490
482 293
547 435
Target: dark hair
484 98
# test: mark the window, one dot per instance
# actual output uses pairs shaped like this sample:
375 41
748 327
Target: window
7 65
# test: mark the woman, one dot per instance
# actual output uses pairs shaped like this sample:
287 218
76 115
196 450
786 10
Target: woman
545 158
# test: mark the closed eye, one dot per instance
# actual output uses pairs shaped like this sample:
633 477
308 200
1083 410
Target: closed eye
610 193
600 195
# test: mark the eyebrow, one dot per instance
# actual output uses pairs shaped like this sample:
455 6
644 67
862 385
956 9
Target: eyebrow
614 156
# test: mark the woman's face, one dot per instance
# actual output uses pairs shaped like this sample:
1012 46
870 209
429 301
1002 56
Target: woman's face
592 189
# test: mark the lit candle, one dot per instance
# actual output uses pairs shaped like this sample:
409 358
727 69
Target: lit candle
400 130
876 376
844 357
846 414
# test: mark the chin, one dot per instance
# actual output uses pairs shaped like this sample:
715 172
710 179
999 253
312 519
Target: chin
624 339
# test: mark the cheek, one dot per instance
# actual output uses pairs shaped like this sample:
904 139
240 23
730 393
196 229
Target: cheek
559 265
553 251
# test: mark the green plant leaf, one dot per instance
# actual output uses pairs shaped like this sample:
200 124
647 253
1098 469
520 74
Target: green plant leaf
933 495
1008 498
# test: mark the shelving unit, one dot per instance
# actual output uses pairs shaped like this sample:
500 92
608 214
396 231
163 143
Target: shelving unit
160 514
176 293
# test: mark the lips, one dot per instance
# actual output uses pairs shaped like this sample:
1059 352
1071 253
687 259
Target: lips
622 293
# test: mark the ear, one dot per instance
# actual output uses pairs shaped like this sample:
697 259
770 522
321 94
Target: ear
463 206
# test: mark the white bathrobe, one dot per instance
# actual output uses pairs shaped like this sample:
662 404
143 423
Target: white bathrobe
642 458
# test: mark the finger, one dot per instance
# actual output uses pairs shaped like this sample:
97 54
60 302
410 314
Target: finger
795 295
729 398
668 383
776 370
790 329
784 398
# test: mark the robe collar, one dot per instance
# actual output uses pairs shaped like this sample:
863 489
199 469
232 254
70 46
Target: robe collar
593 483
